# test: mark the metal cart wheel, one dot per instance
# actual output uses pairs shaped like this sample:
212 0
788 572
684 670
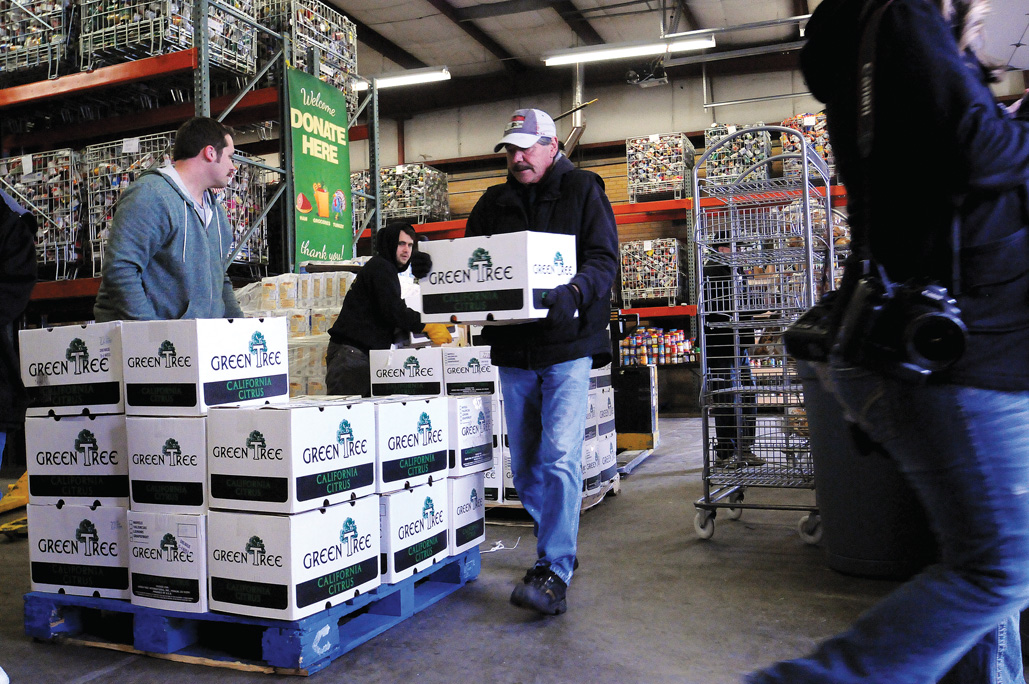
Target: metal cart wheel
810 528
704 524
735 513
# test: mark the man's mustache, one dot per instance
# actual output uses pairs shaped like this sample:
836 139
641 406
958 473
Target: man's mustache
521 166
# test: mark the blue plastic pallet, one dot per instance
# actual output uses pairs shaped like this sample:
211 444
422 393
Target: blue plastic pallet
299 647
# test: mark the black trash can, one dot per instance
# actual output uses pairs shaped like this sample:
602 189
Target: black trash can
873 525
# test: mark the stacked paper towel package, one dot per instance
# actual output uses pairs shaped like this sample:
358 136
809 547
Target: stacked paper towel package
169 466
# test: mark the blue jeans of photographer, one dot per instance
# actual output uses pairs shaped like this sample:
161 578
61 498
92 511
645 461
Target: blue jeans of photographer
965 451
545 411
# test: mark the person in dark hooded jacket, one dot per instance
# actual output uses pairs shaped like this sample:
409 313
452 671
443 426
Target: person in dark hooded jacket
940 149
373 311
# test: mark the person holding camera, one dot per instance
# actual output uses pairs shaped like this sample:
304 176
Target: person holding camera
932 357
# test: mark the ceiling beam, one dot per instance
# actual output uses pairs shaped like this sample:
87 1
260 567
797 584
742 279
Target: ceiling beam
384 46
800 8
683 13
510 62
578 23
501 9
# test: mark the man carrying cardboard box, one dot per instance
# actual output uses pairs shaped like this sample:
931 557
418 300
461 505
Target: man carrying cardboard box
373 311
170 237
544 365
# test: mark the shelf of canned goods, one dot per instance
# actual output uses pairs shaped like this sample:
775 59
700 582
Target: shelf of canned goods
33 33
752 146
654 269
414 192
312 24
116 31
49 184
109 168
655 346
816 133
659 166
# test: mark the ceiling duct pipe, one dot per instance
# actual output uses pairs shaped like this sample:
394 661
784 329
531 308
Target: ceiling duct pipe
578 125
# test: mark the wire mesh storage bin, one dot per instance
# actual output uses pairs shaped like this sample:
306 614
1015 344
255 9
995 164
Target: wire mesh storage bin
757 259
313 24
122 31
33 33
654 269
111 167
659 166
415 192
747 146
359 183
49 185
816 132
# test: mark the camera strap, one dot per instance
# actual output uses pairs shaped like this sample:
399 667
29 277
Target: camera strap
871 16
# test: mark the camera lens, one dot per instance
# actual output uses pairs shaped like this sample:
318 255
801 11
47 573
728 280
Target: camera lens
935 340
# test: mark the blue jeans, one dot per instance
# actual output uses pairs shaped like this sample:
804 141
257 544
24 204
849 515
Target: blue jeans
965 451
545 411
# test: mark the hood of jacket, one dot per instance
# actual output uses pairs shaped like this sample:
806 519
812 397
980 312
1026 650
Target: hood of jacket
829 56
387 240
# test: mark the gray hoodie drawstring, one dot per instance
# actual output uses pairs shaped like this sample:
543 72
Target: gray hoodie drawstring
185 233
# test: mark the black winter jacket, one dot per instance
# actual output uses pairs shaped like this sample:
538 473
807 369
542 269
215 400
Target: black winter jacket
570 201
373 310
17 278
939 140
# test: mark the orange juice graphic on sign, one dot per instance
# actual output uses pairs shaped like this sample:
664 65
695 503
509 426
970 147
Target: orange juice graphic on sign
321 199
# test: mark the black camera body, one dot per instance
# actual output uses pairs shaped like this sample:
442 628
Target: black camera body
910 329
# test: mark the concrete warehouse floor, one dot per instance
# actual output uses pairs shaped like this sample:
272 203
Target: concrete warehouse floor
651 602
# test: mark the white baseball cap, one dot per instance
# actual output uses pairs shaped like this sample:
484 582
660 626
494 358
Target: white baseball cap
526 127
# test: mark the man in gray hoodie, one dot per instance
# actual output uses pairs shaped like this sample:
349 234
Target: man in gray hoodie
170 238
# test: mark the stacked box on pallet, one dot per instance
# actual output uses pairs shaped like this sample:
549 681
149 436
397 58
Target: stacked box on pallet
659 166
49 184
135 29
33 36
415 192
313 24
814 128
729 163
652 270
78 465
109 168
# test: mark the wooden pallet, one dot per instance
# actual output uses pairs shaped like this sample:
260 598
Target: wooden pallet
300 647
612 486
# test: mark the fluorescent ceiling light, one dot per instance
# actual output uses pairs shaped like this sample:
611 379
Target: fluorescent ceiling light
403 78
623 51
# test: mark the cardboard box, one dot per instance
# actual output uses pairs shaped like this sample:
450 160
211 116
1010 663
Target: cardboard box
467 527
414 526
77 460
78 550
607 449
73 370
600 377
605 406
501 278
510 493
493 483
469 370
406 371
413 438
590 469
290 458
167 464
168 560
290 566
471 435
180 368
590 433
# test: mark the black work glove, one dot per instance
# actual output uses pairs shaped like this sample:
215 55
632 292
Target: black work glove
562 301
421 264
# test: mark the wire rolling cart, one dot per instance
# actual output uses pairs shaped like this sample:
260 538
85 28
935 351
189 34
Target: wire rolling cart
756 270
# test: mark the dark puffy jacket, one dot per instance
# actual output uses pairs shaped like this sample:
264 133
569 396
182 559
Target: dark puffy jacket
570 201
17 277
940 141
373 310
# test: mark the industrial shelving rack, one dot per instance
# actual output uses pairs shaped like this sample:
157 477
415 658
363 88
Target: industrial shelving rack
659 166
115 32
50 182
756 266
34 34
815 130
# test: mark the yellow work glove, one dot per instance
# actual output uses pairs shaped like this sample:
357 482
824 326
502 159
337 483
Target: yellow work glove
438 333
